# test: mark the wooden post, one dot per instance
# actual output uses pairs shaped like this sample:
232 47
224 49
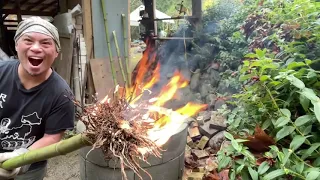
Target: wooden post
197 13
88 36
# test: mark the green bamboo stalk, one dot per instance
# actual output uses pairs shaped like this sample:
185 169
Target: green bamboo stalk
60 148
125 38
108 43
119 58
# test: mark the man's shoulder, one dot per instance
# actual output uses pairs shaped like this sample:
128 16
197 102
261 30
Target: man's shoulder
8 63
60 84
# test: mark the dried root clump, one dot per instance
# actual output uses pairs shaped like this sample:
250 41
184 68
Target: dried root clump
109 128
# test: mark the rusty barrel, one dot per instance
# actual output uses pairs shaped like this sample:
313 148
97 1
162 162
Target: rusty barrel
170 166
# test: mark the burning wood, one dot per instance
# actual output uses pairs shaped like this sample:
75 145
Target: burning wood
117 136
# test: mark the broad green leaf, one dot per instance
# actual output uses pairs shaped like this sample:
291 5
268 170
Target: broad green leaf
300 167
285 131
264 78
295 81
306 130
295 65
228 135
241 140
311 74
248 154
313 175
245 77
260 53
224 162
286 112
311 149
250 55
309 93
316 162
266 124
281 121
274 148
303 120
308 61
287 154
297 142
304 101
235 145
274 174
263 167
254 174
316 109
239 169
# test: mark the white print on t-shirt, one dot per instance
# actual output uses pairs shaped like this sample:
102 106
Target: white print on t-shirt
2 99
19 139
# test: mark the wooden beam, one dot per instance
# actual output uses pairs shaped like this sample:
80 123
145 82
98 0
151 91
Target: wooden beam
34 5
24 12
88 37
4 3
18 7
46 6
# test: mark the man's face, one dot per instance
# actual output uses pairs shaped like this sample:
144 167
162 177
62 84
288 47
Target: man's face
36 52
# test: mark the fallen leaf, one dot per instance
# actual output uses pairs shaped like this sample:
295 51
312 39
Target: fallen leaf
260 141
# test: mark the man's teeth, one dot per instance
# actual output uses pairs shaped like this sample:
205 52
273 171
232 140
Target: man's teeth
38 58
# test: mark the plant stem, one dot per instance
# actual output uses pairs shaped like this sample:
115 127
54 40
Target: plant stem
119 58
272 98
108 43
126 53
60 148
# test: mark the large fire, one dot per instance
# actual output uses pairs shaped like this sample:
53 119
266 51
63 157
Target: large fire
163 122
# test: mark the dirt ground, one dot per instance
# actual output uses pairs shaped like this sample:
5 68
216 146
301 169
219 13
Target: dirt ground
64 167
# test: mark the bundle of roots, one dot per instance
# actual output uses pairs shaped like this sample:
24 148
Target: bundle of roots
118 130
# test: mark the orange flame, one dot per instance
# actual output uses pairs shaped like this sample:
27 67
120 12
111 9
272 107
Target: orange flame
166 121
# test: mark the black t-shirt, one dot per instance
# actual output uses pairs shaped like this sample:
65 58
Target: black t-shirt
25 115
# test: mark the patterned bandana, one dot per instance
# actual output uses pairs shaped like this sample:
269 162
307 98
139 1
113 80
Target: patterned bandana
39 25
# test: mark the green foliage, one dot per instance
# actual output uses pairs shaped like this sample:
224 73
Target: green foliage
284 99
280 93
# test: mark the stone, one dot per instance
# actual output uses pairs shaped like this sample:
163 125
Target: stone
186 73
194 131
214 77
199 169
216 141
203 117
218 119
205 130
218 104
203 142
196 176
204 90
211 164
195 80
211 100
200 154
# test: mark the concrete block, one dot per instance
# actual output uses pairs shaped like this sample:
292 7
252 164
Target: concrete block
78 27
196 176
200 154
203 142
205 130
79 20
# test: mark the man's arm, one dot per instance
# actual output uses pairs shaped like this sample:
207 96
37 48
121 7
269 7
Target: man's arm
47 140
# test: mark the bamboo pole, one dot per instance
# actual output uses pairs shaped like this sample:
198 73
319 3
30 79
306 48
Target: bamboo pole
119 58
126 54
61 148
108 43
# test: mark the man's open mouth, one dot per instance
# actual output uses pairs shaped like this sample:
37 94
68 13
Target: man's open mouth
35 61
